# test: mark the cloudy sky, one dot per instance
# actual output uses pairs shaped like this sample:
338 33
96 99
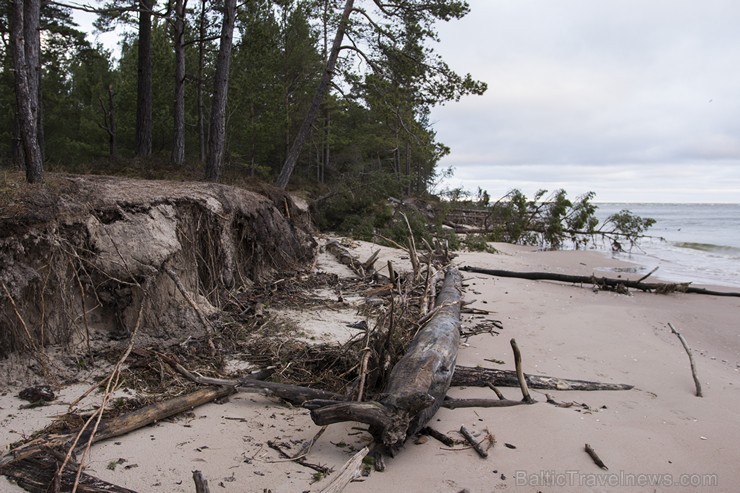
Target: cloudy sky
636 100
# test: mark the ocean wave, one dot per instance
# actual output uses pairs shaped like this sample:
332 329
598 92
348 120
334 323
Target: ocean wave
708 247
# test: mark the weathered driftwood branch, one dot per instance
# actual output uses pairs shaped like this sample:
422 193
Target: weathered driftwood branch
35 463
362 269
466 376
294 394
441 437
120 425
592 453
201 483
603 282
451 403
526 398
691 359
473 443
417 384
349 471
36 474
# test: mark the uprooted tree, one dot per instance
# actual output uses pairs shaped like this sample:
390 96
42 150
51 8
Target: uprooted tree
549 221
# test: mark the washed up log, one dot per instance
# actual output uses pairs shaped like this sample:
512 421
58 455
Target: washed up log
466 376
362 269
601 282
417 384
36 475
35 463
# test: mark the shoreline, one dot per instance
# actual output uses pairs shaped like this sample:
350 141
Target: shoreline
659 429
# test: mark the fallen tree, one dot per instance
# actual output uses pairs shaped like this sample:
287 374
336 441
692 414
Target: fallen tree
601 282
417 384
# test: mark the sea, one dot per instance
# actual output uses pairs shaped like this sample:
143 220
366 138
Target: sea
697 243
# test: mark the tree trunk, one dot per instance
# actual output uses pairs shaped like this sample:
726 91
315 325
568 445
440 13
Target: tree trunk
23 14
109 122
201 63
32 36
602 282
302 136
417 384
112 129
217 133
178 145
144 95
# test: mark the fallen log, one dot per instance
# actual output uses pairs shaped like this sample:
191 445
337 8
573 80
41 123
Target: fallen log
36 475
466 376
35 463
601 282
417 384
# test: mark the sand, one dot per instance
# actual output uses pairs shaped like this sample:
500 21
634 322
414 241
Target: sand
656 437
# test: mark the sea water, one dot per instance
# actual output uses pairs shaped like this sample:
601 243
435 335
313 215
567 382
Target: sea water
698 243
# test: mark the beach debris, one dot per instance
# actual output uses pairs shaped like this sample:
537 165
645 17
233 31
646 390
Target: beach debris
348 472
520 373
37 394
592 453
602 283
473 442
286 457
496 391
467 376
437 435
201 483
691 359
418 382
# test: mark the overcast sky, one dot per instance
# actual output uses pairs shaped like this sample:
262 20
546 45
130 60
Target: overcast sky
635 100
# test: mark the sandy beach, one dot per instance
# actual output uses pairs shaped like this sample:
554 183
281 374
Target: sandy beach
657 437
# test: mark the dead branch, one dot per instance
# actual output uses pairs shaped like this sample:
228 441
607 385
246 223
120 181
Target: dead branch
451 403
592 453
601 282
473 443
441 437
466 376
691 360
298 460
520 374
496 391
294 394
201 483
347 473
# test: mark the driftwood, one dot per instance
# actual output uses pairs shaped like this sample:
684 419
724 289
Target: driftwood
602 282
473 443
417 384
685 345
36 475
526 398
295 394
362 269
349 471
201 483
466 376
450 403
34 464
597 460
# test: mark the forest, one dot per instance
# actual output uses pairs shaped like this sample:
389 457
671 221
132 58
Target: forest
316 94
